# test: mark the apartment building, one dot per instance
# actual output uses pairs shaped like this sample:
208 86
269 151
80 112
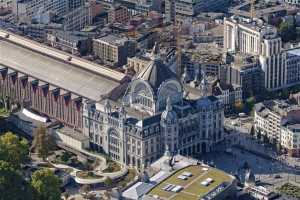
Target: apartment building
293 2
230 95
6 3
113 50
279 121
118 14
290 138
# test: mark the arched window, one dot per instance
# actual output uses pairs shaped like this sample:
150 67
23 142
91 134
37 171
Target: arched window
142 94
170 89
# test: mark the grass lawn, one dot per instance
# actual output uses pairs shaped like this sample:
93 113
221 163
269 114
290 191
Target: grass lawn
192 187
218 177
3 112
195 170
112 167
128 178
185 196
87 175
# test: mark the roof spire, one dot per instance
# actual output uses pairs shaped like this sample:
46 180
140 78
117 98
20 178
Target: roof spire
204 84
155 53
167 150
169 104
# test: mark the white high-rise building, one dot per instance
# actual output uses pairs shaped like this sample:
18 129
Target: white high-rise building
255 38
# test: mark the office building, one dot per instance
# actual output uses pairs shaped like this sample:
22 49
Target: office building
253 37
118 14
25 10
78 18
183 10
245 72
113 50
77 43
292 58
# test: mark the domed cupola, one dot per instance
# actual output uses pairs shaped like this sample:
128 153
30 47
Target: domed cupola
169 116
122 113
107 106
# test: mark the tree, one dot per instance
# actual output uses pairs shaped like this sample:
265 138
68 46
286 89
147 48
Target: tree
66 195
66 156
258 135
43 143
265 139
13 149
252 131
91 196
246 165
108 181
284 94
250 102
278 147
46 185
239 107
12 184
287 31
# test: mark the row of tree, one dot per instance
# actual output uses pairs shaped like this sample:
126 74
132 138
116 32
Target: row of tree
42 185
264 138
43 143
246 106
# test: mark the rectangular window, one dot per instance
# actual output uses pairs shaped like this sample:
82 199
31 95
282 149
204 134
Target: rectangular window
86 122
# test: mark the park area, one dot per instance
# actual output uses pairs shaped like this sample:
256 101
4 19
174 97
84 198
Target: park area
192 187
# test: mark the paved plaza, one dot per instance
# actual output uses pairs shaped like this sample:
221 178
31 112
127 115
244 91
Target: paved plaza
271 173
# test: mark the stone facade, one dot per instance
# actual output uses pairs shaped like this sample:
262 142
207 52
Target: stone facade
280 122
153 116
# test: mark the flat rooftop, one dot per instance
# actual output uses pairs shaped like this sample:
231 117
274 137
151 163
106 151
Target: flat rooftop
261 9
295 51
79 77
112 40
73 134
192 188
